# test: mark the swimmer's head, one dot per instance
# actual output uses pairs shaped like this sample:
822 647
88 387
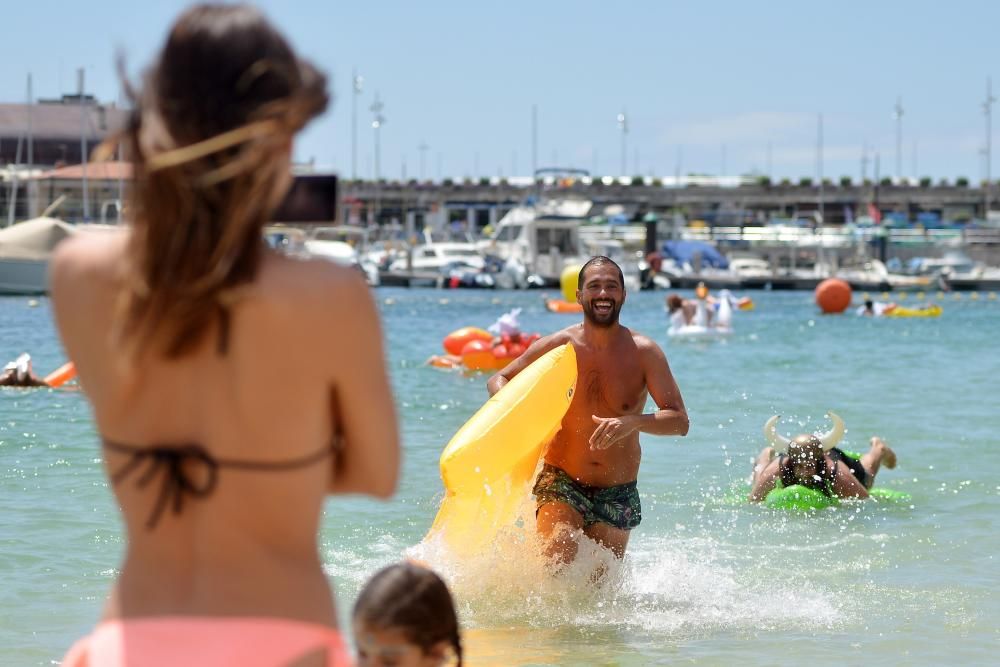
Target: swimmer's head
827 440
805 457
674 302
22 367
405 616
805 448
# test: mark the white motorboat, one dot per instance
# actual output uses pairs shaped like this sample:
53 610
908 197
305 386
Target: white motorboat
872 274
25 249
342 245
439 256
750 267
543 237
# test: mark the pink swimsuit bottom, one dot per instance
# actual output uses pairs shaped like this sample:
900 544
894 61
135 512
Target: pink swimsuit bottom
193 641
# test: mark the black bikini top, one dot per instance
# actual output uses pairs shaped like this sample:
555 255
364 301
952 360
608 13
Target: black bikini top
180 461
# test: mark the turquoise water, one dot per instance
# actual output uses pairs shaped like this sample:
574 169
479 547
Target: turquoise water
708 579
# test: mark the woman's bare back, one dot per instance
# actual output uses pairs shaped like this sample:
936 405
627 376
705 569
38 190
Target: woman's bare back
294 404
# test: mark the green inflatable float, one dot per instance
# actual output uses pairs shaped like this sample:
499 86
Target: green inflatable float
798 497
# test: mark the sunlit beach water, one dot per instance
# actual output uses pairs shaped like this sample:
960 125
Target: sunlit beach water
708 578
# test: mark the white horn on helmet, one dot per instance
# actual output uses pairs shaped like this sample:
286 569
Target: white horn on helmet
778 441
833 436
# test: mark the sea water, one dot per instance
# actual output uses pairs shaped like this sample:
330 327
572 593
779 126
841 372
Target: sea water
708 579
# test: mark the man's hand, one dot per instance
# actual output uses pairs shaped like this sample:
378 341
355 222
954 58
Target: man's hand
611 430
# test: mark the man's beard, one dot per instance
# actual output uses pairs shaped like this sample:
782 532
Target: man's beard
603 321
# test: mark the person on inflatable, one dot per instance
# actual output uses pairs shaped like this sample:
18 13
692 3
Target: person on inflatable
815 461
587 484
681 311
684 312
873 309
18 373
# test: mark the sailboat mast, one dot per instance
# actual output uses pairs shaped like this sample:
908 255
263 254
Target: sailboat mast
31 136
121 196
12 192
83 145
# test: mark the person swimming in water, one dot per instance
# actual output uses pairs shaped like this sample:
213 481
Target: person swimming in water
233 387
681 311
19 373
814 461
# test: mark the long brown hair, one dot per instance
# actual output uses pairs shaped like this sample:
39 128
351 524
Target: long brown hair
413 599
209 139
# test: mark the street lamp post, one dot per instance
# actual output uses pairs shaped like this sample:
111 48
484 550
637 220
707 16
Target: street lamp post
897 113
356 83
534 139
864 163
423 150
377 121
83 146
623 126
988 112
819 168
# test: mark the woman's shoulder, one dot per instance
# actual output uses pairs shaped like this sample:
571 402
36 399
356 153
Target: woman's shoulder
310 278
314 292
84 256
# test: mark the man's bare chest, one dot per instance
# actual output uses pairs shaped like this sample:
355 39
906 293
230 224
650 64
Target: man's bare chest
615 386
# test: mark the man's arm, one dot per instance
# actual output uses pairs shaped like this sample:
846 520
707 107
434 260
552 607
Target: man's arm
846 485
670 419
534 351
764 482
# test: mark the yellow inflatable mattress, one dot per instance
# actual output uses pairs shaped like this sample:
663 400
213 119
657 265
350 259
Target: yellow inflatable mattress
488 466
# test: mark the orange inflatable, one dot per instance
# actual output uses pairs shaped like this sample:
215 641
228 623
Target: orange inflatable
456 341
61 375
560 306
833 295
477 355
745 303
445 361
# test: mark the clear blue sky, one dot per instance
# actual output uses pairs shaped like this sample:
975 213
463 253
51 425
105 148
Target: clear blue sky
712 81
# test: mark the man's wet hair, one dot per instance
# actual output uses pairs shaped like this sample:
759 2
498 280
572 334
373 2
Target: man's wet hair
598 261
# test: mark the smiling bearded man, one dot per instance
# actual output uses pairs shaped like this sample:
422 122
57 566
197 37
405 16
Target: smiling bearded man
588 482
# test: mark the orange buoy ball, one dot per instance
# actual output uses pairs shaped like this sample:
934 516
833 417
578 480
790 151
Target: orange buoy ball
455 342
833 295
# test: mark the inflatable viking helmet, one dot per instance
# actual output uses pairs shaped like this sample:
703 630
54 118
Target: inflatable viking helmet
828 439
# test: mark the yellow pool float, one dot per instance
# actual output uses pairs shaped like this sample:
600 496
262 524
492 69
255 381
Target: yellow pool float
932 310
489 464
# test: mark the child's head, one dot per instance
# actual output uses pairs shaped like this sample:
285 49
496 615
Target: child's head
405 617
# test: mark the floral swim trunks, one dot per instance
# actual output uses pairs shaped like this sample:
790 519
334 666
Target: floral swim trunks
617 506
